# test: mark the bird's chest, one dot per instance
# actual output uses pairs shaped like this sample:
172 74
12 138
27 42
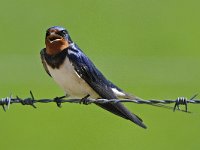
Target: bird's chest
70 81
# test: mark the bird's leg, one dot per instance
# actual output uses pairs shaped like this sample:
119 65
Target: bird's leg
84 100
58 100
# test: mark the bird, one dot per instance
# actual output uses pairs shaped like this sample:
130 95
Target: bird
77 75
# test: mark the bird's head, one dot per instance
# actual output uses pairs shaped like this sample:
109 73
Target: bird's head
57 39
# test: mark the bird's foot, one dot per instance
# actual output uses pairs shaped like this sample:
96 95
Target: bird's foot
58 100
85 100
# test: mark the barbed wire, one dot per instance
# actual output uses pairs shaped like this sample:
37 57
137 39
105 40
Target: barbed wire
6 102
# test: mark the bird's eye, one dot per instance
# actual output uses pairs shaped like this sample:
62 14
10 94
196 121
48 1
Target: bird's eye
62 32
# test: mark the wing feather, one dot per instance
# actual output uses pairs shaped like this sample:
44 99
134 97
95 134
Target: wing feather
87 70
42 53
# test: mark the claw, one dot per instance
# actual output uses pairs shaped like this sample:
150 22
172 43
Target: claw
58 101
84 100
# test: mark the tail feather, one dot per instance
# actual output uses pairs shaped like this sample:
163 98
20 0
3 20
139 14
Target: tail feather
120 110
109 107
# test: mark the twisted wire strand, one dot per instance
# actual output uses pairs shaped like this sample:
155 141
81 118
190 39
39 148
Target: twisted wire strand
5 102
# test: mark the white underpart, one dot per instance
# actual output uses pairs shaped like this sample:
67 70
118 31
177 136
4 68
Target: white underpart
118 93
71 82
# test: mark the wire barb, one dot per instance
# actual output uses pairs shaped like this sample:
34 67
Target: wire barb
5 102
180 101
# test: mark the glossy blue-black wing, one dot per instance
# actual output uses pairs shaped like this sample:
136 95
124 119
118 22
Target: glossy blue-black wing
87 70
42 53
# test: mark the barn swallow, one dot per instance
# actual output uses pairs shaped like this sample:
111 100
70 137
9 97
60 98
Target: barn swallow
71 69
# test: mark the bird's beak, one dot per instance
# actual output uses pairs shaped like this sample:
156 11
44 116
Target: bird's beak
53 37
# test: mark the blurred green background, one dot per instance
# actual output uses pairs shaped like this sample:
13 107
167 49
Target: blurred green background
146 47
